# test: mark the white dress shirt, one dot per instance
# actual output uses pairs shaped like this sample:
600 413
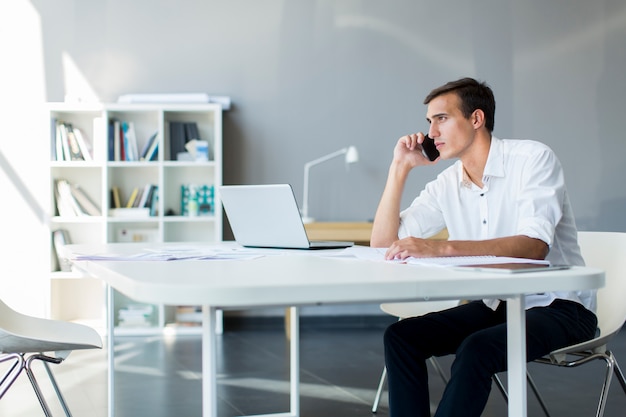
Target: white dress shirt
523 193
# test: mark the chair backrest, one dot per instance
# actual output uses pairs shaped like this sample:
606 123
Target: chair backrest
607 251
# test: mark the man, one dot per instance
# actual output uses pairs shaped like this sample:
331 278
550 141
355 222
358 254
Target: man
503 198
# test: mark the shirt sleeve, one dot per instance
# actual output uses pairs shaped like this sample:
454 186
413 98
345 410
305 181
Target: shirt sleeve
423 218
540 200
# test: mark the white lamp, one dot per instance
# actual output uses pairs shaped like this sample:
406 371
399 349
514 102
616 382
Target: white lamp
352 156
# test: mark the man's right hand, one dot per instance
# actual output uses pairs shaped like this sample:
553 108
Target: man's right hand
408 150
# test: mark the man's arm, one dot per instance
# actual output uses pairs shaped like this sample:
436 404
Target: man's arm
514 246
407 154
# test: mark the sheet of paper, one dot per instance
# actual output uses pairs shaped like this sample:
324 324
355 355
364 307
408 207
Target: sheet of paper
174 253
378 254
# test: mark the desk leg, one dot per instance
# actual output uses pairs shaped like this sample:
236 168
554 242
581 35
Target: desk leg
516 354
209 362
294 360
110 318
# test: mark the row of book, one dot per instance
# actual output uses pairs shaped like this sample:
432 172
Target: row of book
73 201
123 145
139 198
180 134
69 143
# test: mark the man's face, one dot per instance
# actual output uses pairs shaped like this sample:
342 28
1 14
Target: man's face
452 132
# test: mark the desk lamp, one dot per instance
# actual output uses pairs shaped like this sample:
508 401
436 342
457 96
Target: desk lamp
351 156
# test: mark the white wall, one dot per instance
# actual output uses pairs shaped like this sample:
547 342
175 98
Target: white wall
24 255
309 77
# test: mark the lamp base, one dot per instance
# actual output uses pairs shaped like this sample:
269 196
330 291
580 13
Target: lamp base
307 219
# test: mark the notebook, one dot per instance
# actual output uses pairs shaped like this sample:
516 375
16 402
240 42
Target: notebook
267 216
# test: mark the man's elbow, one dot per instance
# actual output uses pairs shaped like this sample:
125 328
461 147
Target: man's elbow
538 249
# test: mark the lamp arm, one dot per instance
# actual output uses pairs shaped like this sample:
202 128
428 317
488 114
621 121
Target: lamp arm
307 167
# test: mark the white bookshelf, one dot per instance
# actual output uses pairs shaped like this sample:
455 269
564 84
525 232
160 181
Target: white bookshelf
80 298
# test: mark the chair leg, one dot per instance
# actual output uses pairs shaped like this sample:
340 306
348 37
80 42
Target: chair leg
57 390
433 361
496 379
14 371
33 381
538 395
619 374
610 366
533 386
379 392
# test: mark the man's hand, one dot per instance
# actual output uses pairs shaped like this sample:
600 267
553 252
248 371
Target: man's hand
409 150
415 247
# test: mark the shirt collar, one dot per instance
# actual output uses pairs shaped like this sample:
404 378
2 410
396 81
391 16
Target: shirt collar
493 168
495 160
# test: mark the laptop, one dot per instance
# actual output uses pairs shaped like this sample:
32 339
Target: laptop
267 216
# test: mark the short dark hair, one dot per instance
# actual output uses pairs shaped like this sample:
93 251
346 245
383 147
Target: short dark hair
473 95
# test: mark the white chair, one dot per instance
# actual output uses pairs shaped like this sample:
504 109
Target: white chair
604 250
607 251
24 339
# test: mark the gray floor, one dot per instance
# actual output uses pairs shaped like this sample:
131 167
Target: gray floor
340 369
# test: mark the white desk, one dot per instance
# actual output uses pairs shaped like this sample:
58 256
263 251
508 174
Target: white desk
306 278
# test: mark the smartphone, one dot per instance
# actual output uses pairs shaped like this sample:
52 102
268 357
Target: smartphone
429 149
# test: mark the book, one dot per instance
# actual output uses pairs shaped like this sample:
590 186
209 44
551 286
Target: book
60 238
130 141
64 145
115 136
138 198
191 131
177 139
53 139
133 196
224 101
111 141
74 148
148 148
58 143
152 154
154 201
87 205
145 195
67 206
165 98
83 144
116 201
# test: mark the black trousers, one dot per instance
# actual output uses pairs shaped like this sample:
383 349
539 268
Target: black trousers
477 335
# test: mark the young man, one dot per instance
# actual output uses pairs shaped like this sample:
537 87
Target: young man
502 197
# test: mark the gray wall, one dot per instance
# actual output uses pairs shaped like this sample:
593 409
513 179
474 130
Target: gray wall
309 77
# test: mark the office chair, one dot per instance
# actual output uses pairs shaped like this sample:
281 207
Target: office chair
604 250
25 339
607 251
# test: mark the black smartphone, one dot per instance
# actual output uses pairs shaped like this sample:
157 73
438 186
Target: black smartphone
429 149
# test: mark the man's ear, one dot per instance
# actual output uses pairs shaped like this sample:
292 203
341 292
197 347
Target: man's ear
478 118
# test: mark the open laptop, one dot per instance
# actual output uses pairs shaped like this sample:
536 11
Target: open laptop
267 216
